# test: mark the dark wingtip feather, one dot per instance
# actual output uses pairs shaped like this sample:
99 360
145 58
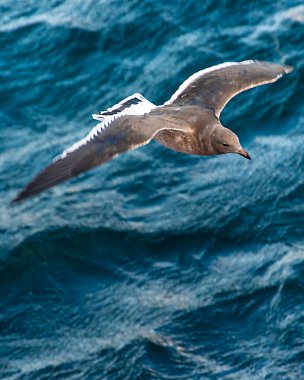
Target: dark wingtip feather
59 171
17 199
52 175
27 192
24 194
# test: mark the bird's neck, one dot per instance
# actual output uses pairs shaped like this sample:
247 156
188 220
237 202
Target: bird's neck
206 139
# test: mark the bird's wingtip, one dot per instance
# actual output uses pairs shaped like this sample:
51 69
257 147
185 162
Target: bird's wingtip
14 201
18 198
288 68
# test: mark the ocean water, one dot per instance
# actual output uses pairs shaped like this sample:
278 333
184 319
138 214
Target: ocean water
157 265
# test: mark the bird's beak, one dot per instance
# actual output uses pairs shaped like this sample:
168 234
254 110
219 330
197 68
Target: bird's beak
243 153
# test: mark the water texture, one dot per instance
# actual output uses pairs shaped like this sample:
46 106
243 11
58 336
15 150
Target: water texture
157 265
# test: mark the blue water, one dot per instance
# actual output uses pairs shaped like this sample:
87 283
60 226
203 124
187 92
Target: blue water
157 265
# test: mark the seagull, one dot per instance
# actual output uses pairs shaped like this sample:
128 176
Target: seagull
189 122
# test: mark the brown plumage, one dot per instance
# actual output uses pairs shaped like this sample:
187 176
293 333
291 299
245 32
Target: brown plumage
188 122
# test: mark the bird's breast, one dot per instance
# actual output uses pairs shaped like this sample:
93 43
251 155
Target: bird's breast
184 142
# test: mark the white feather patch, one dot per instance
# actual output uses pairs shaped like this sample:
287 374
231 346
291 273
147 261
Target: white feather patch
140 108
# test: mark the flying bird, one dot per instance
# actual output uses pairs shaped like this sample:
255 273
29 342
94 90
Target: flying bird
189 122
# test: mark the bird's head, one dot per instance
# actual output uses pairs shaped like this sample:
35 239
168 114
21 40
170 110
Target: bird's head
225 141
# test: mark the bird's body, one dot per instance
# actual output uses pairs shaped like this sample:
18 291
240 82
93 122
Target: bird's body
184 141
195 139
188 122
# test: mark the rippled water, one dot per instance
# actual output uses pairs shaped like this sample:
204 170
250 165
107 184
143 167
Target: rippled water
156 265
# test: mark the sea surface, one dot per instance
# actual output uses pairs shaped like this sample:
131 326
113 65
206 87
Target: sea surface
157 265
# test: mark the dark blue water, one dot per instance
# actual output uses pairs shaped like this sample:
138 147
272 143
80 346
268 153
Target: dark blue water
157 265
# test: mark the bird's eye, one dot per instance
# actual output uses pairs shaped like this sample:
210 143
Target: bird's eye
225 144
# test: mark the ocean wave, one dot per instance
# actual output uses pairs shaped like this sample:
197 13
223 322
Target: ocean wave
157 264
75 14
160 313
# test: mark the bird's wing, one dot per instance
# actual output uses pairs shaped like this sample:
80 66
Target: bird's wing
116 133
215 86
